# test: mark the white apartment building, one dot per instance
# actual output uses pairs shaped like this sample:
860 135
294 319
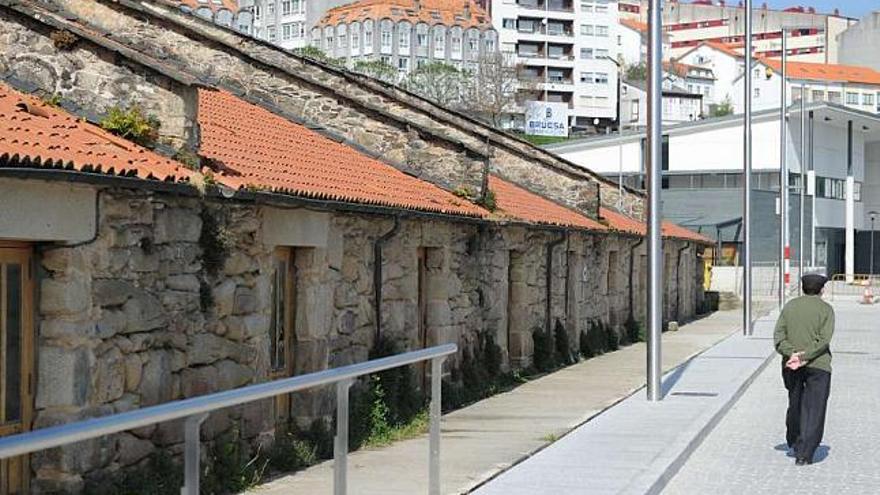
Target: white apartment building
850 86
221 12
407 33
858 44
689 24
281 22
568 50
679 105
726 65
692 79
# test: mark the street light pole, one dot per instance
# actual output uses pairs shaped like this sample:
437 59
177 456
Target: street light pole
654 171
747 177
803 188
871 270
784 251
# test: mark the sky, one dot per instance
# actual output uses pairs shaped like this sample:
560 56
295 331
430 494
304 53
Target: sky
849 8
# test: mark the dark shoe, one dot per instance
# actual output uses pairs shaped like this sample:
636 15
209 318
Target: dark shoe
802 462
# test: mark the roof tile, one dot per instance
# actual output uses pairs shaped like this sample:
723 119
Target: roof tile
623 223
448 12
826 72
520 204
259 149
33 129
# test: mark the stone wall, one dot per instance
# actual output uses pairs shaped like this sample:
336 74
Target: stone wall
172 299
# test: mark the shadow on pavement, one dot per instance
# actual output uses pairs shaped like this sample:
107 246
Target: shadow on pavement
820 455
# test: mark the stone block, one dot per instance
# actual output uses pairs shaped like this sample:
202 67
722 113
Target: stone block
232 375
109 376
67 331
133 368
239 263
69 296
224 298
198 381
244 302
63 377
185 283
177 225
132 449
155 385
112 322
143 312
206 348
111 292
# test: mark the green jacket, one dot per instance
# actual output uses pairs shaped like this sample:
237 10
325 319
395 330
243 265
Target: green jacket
806 325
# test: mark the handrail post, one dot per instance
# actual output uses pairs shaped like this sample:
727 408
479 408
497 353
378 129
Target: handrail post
434 446
340 446
192 455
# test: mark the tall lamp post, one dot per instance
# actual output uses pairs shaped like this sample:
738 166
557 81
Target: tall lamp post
747 175
654 169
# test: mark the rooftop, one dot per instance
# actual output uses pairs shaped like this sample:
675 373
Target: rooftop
634 25
257 149
214 5
826 72
464 13
516 202
36 134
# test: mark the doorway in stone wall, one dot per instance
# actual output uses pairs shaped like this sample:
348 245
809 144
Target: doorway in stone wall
281 329
16 358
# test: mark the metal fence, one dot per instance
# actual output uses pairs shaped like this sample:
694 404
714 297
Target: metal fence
841 285
196 410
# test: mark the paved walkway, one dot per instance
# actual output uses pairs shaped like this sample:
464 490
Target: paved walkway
743 454
482 440
632 447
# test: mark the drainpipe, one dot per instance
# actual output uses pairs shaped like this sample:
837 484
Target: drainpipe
678 281
549 286
377 273
632 255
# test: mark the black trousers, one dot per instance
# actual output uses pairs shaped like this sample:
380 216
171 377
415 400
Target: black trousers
808 390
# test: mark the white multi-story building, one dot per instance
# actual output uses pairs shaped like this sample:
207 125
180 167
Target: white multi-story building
858 44
689 24
725 63
283 22
679 105
407 33
222 12
847 85
568 50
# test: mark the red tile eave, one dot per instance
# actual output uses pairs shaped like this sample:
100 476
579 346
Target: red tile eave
44 136
258 150
512 201
627 225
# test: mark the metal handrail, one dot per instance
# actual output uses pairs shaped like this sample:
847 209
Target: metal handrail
196 410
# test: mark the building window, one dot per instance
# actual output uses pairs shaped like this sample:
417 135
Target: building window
270 8
508 23
757 92
867 99
602 31
586 53
299 6
455 41
258 12
286 8
368 35
270 33
587 77
587 29
341 37
474 41
834 96
852 98
403 31
403 65
601 53
355 37
439 42
601 78
287 31
634 111
386 35
490 44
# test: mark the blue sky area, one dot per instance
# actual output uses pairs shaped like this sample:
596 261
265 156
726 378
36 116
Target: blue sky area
849 8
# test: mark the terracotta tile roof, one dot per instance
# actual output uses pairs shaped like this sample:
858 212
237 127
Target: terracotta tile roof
214 5
635 25
48 137
448 12
827 72
622 223
256 148
515 202
724 48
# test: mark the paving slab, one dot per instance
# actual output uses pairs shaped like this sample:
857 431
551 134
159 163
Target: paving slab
637 445
484 439
745 453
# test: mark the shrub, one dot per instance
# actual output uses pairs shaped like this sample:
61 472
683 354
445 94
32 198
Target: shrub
63 40
635 330
563 346
131 123
544 353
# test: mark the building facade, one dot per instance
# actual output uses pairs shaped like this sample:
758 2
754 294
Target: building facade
850 86
726 65
702 179
406 34
225 13
566 51
858 43
679 105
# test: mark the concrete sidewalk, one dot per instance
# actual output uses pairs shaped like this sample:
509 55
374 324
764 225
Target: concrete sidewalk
635 447
486 438
745 454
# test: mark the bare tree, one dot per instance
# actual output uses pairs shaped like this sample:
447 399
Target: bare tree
491 89
377 69
437 81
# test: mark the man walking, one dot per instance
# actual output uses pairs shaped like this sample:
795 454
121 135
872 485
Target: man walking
803 337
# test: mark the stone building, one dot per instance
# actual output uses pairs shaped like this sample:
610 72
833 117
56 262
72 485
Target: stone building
307 212
407 34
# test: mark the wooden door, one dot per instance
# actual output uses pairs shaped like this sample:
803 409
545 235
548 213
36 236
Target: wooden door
16 358
281 329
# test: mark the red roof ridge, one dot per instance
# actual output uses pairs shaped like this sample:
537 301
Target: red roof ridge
635 25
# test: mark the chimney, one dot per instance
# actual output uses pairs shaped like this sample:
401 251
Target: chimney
467 9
